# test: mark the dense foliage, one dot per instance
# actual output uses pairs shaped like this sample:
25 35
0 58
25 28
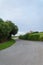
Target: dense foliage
7 28
36 36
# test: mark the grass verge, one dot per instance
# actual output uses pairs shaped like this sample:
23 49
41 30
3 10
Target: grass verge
6 44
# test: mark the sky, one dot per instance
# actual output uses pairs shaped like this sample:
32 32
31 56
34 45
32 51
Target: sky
26 14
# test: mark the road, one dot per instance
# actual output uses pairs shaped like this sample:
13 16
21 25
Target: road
23 53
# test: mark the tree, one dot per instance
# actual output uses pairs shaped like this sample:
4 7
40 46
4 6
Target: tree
1 20
7 28
13 29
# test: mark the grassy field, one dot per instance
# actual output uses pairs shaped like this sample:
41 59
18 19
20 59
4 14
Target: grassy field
7 44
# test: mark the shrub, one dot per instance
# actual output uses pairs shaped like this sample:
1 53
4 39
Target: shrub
20 37
26 36
41 38
30 36
34 37
36 32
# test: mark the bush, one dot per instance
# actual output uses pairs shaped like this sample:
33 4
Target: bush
30 36
41 38
34 37
36 32
26 36
20 37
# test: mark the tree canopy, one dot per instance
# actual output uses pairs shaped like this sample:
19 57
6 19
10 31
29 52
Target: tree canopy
7 28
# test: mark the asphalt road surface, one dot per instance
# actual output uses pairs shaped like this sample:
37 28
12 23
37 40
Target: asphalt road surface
23 53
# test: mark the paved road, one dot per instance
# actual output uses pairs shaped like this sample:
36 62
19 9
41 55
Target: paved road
23 53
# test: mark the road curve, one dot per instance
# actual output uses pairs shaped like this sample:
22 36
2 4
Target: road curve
23 53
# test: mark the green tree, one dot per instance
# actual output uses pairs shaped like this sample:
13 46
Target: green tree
13 29
7 28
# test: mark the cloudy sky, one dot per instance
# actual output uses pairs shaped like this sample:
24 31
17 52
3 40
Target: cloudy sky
27 14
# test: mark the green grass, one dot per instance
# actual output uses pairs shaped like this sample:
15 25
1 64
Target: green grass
6 44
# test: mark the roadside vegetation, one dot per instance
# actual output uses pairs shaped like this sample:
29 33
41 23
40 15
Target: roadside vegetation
35 36
7 29
6 44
